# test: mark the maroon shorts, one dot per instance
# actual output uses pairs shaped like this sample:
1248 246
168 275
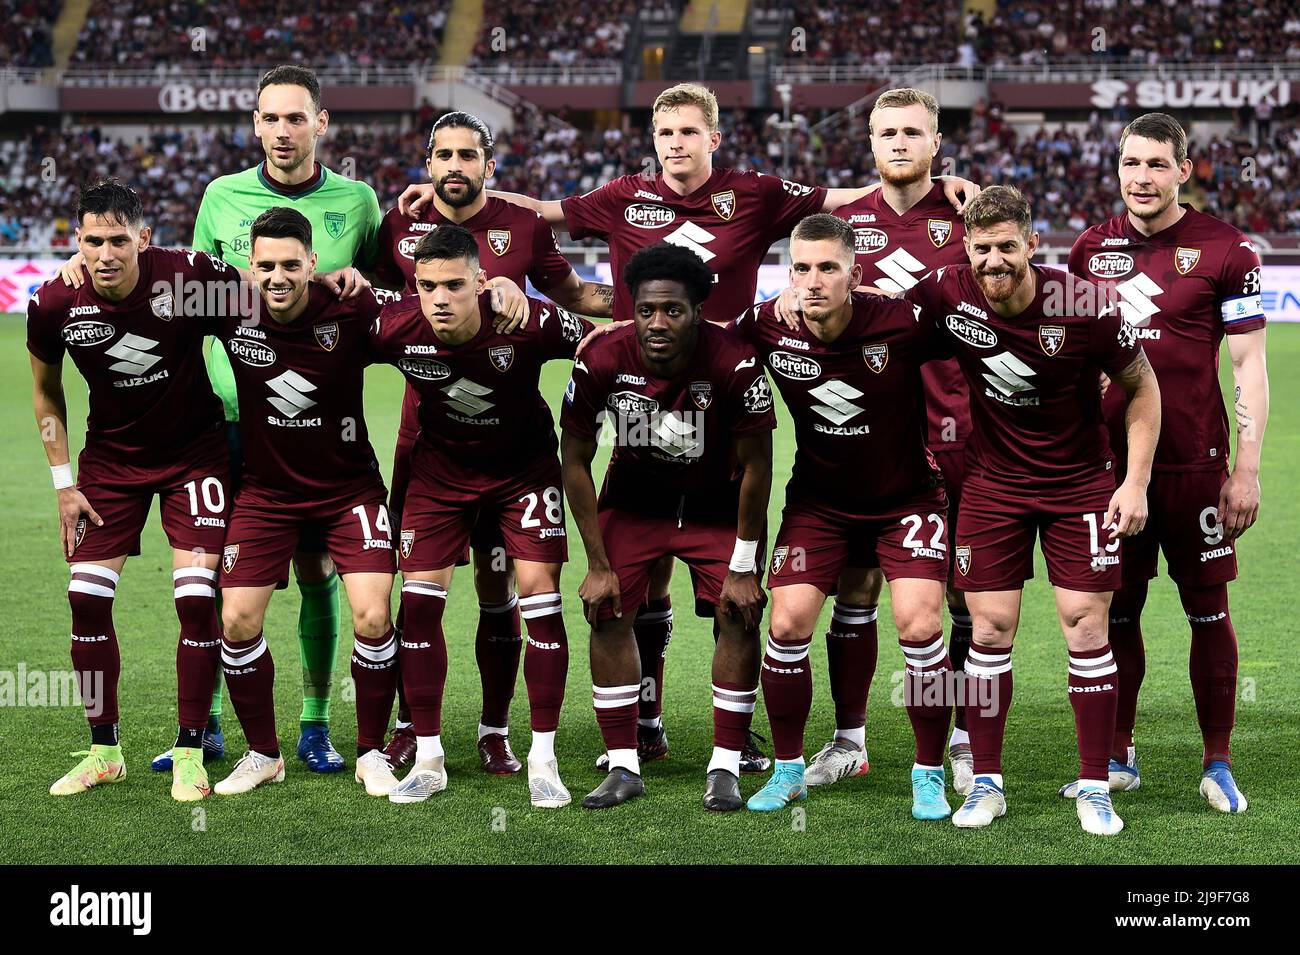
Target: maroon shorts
996 530
445 506
1183 523
194 496
263 538
816 542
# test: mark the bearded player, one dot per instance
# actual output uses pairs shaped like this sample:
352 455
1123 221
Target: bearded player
689 478
851 378
515 245
1186 280
729 219
485 452
1032 344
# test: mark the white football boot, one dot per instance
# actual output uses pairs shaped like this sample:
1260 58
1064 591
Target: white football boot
252 770
376 772
424 779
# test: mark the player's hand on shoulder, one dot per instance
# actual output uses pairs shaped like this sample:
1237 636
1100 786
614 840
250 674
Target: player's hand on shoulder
72 505
1126 514
70 271
743 594
345 283
1238 503
959 191
599 586
788 308
597 332
414 198
509 304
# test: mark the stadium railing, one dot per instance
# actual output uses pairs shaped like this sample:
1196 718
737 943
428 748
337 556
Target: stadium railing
1077 71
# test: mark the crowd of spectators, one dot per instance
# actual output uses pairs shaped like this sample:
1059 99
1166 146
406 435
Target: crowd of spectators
558 32
25 39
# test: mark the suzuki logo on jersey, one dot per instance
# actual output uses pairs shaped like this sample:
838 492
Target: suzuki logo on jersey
469 397
876 357
1009 379
675 435
1110 265
161 306
940 232
837 402
702 394
962 554
132 352
869 241
88 333
901 269
406 247
646 215
327 335
291 399
794 367
724 203
971 332
691 236
499 241
1137 294
1185 260
1051 338
503 356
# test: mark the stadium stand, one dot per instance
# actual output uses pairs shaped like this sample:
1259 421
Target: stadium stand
26 38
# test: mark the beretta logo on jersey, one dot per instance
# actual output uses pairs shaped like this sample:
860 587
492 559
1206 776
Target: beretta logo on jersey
426 369
1185 260
1110 265
702 394
629 404
503 356
334 223
647 215
876 357
161 306
407 542
963 559
257 354
406 247
228 557
88 333
794 367
971 332
940 232
499 241
1051 338
724 203
869 241
327 335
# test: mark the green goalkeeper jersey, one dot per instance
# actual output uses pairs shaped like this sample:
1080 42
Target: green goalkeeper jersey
344 216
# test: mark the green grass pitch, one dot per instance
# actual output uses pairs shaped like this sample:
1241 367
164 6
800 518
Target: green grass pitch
482 819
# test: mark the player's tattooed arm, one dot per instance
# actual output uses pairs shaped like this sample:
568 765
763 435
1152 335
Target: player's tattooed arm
1128 505
601 583
1239 497
742 592
585 298
51 410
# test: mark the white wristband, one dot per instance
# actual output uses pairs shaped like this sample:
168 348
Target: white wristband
62 474
743 557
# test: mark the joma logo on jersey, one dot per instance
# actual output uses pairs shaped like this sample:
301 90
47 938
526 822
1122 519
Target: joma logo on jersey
646 215
971 332
702 394
499 241
962 554
724 203
78 310
327 335
503 356
257 354
794 367
940 231
799 343
862 217
407 542
1051 338
876 357
1110 265
88 333
426 369
869 241
229 555
1185 260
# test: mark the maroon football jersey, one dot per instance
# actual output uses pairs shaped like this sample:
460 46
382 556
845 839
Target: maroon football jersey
894 252
141 358
480 407
857 403
302 420
1182 289
730 222
672 438
1034 379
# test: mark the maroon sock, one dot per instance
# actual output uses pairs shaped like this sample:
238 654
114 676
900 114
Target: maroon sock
786 677
496 648
959 638
95 656
1094 690
851 661
423 651
403 711
546 660
250 681
198 651
1125 636
733 712
1212 666
374 677
616 714
927 693
986 694
653 629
